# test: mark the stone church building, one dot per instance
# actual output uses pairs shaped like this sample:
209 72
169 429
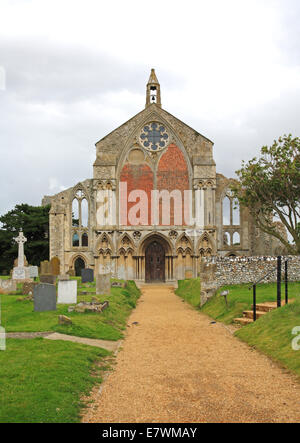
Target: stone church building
155 205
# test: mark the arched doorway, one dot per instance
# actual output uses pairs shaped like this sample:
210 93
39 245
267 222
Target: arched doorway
155 262
79 265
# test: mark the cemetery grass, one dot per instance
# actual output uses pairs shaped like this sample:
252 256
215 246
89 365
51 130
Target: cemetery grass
43 381
18 315
272 334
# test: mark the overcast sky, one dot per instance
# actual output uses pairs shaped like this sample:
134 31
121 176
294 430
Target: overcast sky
75 70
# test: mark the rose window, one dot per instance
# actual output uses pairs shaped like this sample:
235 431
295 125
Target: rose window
154 137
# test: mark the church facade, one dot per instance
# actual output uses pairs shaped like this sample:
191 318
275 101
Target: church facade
155 205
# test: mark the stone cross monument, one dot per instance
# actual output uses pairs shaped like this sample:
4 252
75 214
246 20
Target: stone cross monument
20 272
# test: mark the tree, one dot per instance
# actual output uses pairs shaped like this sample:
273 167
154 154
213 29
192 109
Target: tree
270 187
34 221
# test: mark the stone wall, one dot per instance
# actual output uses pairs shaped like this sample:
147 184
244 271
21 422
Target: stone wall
234 271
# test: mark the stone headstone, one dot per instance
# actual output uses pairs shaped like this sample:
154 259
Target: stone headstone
55 266
20 273
103 284
7 286
28 288
50 279
44 296
87 275
67 292
33 271
45 267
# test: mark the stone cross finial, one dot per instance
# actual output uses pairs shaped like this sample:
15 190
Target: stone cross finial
21 239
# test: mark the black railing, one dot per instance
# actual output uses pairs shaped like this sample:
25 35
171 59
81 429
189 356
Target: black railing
279 269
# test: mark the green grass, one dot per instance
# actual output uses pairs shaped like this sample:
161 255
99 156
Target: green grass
240 299
43 381
189 290
272 334
19 316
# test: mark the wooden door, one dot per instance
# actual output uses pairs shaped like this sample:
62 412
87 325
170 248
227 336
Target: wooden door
155 262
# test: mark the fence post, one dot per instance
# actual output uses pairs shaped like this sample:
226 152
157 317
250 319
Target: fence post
254 302
279 282
286 282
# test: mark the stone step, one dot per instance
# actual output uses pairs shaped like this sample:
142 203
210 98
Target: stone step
249 314
243 321
269 306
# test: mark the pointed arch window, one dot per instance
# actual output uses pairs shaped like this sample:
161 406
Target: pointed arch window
80 219
231 211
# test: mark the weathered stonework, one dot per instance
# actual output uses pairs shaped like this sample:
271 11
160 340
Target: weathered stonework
182 158
239 270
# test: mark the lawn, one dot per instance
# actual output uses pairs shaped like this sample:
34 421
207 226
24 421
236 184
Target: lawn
240 299
18 315
43 381
272 334
189 290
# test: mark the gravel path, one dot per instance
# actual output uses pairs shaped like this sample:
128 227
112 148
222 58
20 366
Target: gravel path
175 366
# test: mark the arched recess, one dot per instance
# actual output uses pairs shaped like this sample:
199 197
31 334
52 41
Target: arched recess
206 244
184 262
104 243
168 255
173 176
125 243
77 263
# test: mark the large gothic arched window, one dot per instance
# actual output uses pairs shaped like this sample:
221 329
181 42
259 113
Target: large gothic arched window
80 219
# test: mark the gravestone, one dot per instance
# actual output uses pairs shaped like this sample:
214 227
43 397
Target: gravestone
33 271
44 296
67 292
20 272
55 266
103 284
87 275
50 279
7 286
28 288
45 267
